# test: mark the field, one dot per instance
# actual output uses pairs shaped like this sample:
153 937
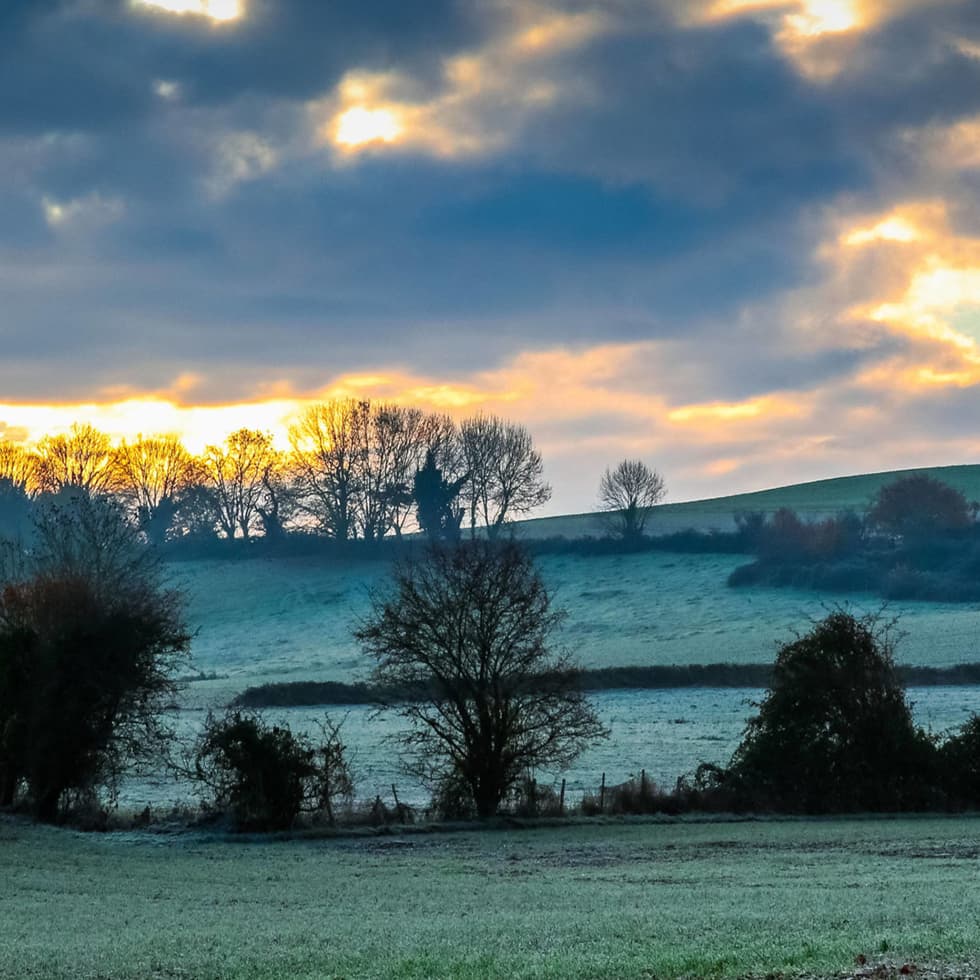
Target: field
709 898
815 500
267 620
713 899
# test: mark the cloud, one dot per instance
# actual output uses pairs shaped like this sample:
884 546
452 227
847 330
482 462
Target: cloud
737 238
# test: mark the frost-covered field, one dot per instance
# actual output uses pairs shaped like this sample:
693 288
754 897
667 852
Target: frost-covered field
281 620
292 619
636 900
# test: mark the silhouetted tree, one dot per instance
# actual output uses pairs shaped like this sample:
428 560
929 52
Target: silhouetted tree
436 502
626 494
834 732
919 504
89 639
505 472
236 474
328 450
470 629
149 477
19 466
82 458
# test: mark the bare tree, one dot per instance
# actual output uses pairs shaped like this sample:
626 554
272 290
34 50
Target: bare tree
236 473
82 458
467 637
626 495
18 466
393 437
328 447
504 470
149 476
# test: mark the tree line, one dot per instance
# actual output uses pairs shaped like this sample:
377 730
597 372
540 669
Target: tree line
355 470
917 539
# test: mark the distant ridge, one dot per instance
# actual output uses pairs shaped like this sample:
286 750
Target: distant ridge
816 499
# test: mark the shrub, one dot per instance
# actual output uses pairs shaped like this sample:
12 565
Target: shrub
834 732
960 758
919 504
529 798
89 641
265 775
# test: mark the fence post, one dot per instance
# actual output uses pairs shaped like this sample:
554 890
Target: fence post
602 795
561 800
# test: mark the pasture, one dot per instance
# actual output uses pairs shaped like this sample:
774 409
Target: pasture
653 899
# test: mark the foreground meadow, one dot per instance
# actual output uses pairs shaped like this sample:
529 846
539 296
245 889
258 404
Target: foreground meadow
708 899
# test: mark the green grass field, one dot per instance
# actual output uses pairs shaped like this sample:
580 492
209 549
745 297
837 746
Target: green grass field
711 899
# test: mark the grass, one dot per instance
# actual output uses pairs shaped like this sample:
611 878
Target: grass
711 899
819 498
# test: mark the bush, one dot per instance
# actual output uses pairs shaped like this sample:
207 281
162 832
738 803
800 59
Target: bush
452 798
834 732
529 798
265 775
89 641
960 759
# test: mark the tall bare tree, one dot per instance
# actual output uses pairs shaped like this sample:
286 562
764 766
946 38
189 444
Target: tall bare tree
149 476
236 473
505 472
626 495
82 459
468 635
328 448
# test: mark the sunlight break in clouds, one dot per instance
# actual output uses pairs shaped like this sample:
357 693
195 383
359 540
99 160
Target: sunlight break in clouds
814 34
371 110
937 284
358 125
216 10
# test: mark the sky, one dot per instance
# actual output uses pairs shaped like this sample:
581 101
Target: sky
737 239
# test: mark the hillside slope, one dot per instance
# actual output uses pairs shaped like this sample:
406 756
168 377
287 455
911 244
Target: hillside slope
817 499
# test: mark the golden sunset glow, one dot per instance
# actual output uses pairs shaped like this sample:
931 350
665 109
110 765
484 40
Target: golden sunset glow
733 411
216 10
197 426
802 18
824 17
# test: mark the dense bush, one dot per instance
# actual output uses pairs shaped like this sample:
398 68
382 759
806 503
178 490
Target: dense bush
89 640
834 732
917 505
265 775
960 765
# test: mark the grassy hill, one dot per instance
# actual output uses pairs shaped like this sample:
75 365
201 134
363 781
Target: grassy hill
819 498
